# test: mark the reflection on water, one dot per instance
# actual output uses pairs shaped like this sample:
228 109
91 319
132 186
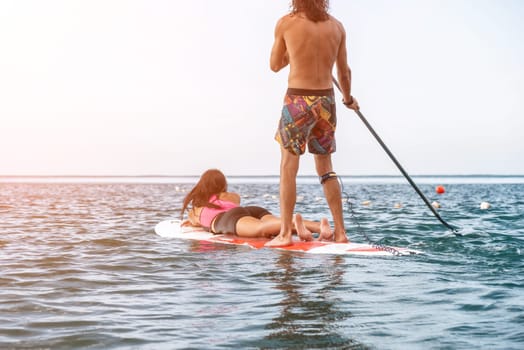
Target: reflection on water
310 312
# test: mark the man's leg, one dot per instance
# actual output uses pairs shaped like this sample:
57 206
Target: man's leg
288 195
333 195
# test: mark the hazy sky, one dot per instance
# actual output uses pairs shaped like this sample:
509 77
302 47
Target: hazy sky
167 87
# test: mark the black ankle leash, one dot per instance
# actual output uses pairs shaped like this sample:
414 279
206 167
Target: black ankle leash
354 218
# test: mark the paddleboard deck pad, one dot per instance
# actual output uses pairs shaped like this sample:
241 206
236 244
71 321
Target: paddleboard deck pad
172 229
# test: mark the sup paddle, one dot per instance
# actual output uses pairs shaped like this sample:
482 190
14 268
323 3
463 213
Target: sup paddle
411 182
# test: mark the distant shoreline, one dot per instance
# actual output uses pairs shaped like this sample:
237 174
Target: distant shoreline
248 176
302 179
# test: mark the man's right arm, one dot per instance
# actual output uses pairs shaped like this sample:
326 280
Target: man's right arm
279 56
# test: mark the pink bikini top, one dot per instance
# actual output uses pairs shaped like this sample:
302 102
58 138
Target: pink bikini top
208 214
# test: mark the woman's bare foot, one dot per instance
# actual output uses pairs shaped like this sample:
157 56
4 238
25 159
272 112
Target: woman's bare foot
325 231
279 241
302 232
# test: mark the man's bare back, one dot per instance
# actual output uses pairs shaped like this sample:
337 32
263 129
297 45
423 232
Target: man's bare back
311 49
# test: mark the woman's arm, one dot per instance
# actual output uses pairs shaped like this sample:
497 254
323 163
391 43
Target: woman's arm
192 220
230 197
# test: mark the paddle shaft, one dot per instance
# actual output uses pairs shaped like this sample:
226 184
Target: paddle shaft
399 166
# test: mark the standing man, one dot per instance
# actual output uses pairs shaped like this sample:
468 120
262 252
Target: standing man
311 42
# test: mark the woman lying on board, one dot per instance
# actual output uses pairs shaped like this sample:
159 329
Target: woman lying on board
218 211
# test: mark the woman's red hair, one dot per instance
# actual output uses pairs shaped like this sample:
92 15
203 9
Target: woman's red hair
212 182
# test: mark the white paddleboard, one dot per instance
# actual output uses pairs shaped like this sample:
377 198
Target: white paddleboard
172 229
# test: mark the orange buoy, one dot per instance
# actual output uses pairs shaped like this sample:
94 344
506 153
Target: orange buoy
440 189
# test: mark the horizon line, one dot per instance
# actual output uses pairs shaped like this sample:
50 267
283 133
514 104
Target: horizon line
257 176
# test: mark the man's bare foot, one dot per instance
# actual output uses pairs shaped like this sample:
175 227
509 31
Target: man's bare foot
341 238
279 241
302 232
325 231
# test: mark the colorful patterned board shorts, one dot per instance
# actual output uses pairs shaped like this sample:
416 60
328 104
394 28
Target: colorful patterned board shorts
308 118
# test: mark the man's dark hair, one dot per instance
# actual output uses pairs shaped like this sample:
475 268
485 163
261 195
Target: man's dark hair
315 10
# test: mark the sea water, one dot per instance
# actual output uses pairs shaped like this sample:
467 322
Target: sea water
81 268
